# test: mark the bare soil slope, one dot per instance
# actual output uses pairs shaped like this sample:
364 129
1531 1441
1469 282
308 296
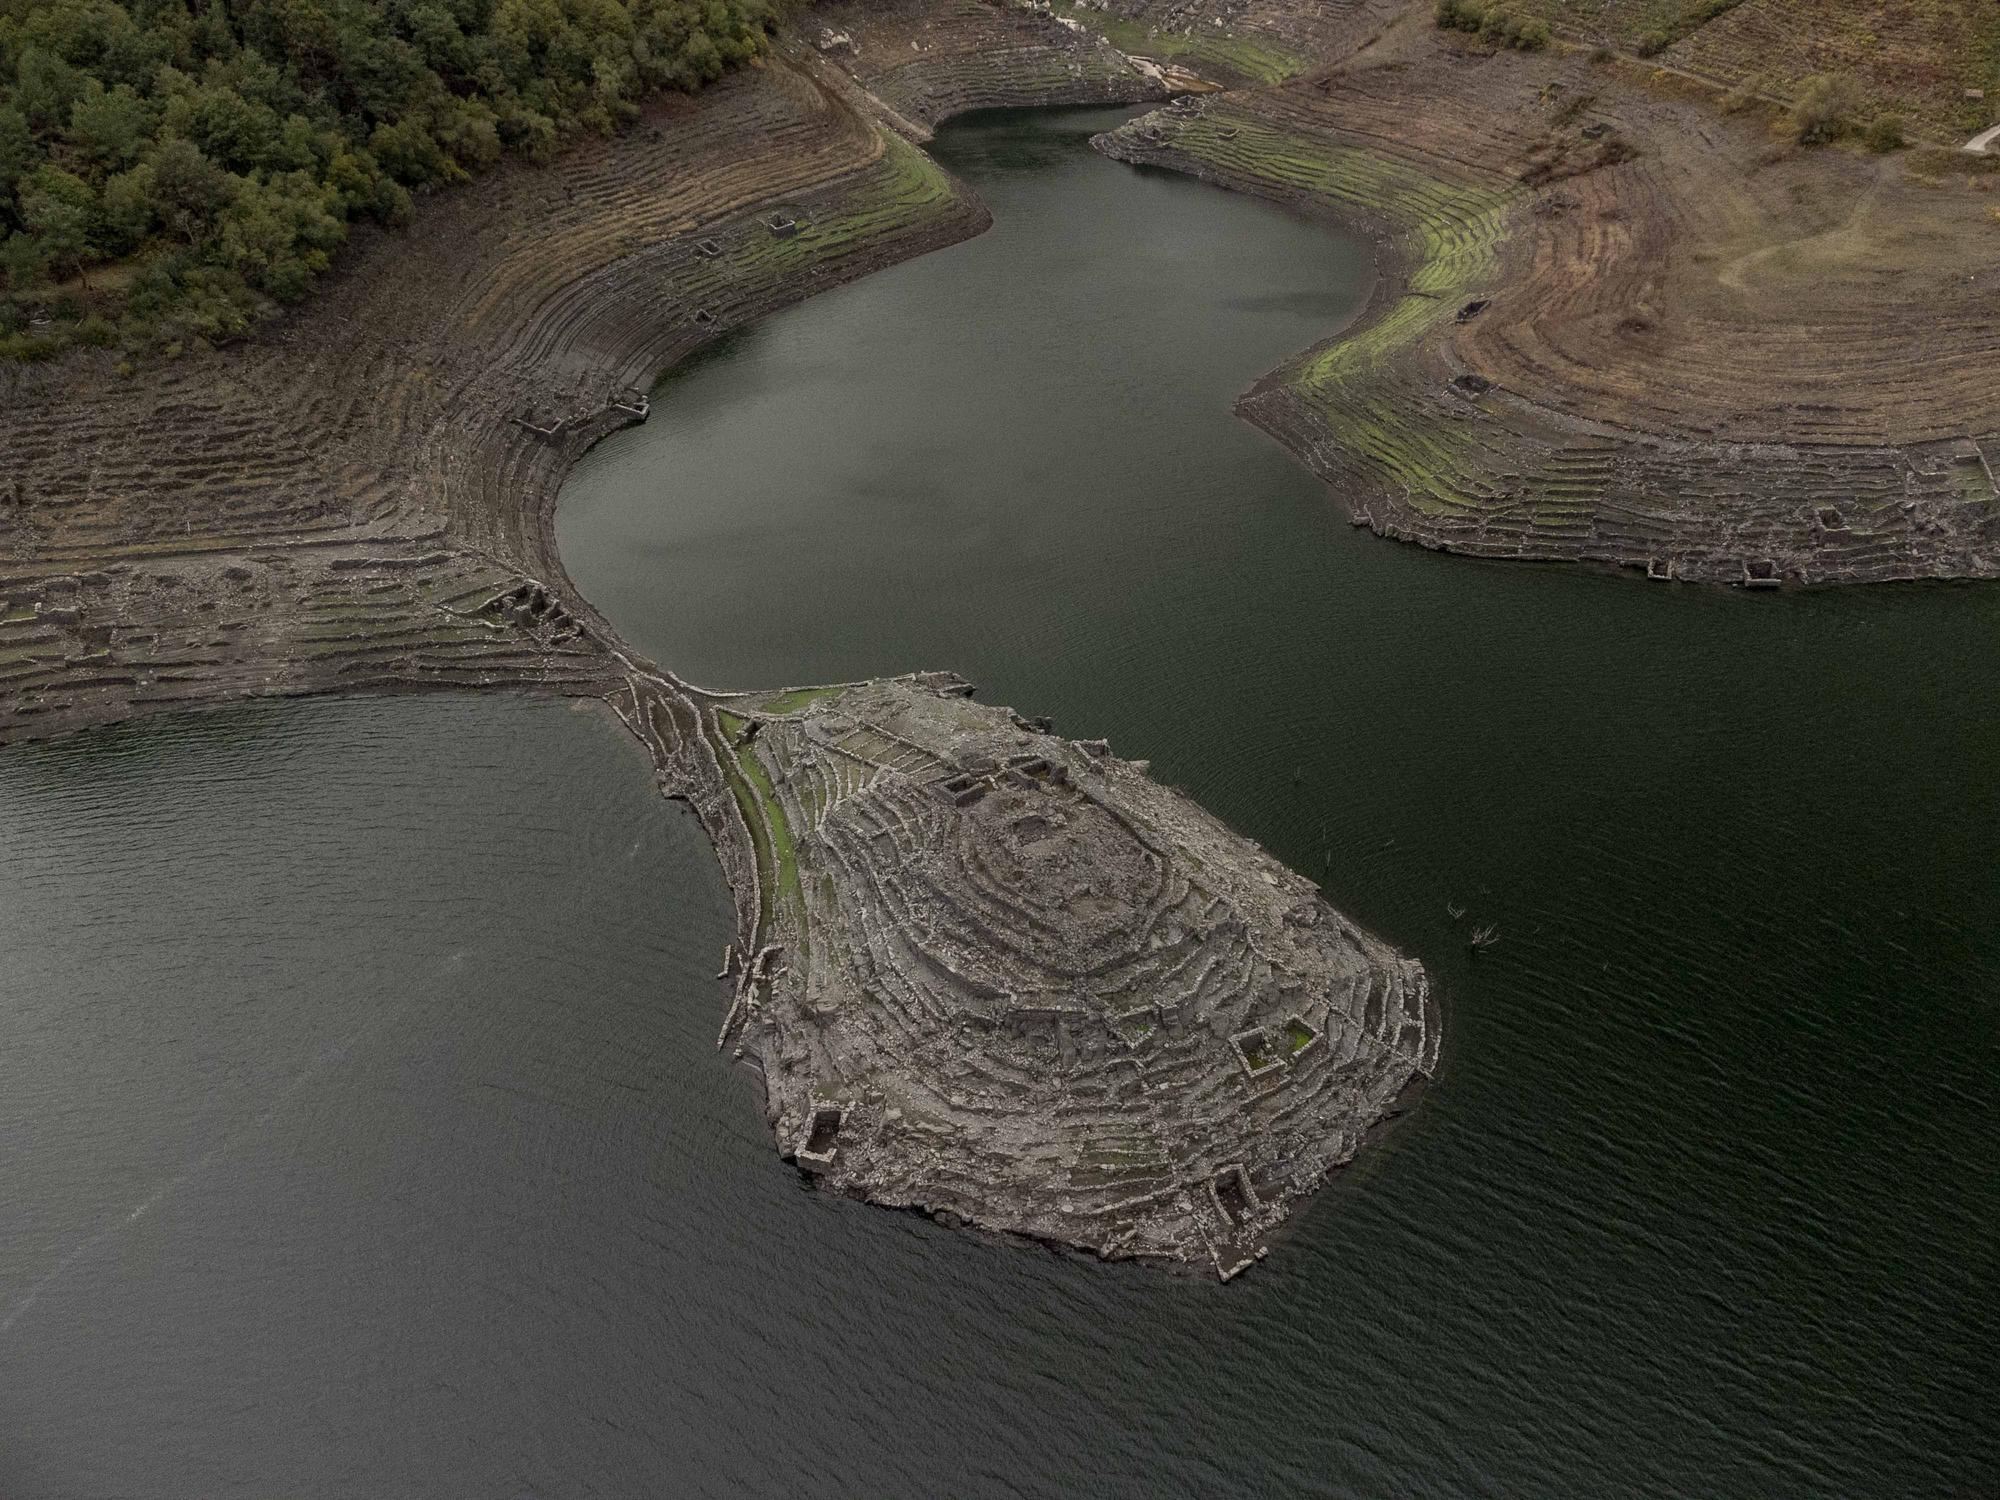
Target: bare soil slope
1631 328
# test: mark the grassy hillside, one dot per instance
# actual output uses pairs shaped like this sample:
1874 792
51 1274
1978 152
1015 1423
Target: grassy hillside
169 168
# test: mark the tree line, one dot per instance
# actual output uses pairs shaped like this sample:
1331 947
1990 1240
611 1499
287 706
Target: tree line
171 168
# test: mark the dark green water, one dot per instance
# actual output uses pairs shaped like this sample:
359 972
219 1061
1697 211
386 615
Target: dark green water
363 1132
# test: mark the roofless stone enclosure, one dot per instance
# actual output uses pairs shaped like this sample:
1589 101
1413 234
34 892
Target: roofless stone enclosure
1008 977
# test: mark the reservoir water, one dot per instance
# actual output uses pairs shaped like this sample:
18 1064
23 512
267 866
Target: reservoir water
361 1131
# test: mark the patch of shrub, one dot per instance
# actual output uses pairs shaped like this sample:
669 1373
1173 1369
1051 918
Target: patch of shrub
1885 133
1824 108
29 348
1742 94
1495 23
1692 17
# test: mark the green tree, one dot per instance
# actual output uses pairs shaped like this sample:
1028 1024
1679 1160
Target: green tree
188 189
238 134
46 88
17 155
410 153
130 208
109 128
1824 108
59 210
222 147
24 261
277 234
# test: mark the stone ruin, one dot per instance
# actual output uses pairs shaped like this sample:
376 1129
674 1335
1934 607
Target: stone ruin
1024 985
531 606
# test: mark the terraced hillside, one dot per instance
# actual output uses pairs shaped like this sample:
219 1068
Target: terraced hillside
339 503
1623 331
1917 58
929 61
1913 58
1240 43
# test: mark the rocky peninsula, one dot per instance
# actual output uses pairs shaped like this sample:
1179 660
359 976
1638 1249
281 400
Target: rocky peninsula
1009 978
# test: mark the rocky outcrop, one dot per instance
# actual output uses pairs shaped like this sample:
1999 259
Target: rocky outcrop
1009 979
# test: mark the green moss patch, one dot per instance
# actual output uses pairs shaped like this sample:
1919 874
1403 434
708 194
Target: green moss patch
1454 230
798 698
770 832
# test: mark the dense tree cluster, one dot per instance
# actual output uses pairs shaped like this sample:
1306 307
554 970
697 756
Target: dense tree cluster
170 167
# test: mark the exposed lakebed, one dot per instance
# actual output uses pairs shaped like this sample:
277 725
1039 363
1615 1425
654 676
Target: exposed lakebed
364 1133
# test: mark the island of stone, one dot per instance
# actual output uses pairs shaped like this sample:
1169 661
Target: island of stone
1011 979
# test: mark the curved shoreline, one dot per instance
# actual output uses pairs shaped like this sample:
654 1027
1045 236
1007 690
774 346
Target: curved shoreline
1422 447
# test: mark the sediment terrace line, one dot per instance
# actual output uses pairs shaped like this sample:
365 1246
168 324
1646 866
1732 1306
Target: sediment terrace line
1430 438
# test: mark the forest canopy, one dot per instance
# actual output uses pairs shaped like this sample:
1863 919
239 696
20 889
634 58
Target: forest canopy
170 168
